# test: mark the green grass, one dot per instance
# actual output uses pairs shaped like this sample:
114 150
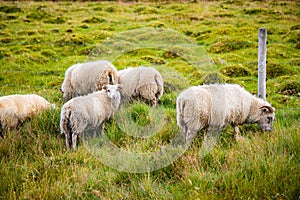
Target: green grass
40 40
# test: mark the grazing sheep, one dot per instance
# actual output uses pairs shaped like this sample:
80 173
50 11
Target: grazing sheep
82 79
14 109
216 106
143 83
90 111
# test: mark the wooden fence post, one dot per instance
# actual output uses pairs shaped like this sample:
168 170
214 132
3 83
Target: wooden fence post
262 60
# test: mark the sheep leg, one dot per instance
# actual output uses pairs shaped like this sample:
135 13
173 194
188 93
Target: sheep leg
95 132
99 130
154 102
237 135
180 141
236 130
1 129
68 141
74 141
102 129
190 135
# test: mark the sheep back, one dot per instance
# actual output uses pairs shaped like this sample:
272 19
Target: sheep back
21 107
143 83
91 109
67 88
88 77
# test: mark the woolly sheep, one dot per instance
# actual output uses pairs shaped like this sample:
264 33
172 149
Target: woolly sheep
144 83
90 111
14 109
216 106
82 79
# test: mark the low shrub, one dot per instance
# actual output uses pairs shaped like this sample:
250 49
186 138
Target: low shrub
226 44
94 20
290 87
10 9
235 71
56 20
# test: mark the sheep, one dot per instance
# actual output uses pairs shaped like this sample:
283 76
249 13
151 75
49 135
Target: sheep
14 109
89 111
141 83
84 78
216 106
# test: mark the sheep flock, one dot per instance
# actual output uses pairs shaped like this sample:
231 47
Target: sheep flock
93 92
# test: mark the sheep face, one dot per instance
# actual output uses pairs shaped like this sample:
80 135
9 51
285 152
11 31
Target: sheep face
267 118
113 91
65 95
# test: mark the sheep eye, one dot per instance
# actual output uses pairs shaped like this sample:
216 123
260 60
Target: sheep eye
108 90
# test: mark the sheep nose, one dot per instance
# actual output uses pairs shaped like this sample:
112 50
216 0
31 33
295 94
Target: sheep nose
268 129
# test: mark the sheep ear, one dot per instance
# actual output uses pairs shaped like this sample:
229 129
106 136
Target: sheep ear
111 77
104 87
273 109
267 109
120 87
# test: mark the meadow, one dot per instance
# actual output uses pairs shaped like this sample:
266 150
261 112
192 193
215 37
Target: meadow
190 43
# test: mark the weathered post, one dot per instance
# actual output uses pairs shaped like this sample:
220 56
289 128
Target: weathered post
262 60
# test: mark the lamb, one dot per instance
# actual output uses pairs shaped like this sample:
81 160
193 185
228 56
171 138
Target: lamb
216 106
141 83
14 109
82 79
88 112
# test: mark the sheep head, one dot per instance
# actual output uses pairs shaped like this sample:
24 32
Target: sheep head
267 117
112 90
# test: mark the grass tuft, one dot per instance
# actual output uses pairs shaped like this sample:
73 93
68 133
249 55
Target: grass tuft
94 20
236 71
10 9
290 87
225 44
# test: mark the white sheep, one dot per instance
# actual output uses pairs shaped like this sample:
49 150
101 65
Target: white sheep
216 106
88 112
84 78
141 83
14 109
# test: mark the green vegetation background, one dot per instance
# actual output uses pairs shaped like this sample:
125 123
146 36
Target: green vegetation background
40 40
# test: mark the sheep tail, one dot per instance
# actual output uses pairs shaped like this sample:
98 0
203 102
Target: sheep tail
65 121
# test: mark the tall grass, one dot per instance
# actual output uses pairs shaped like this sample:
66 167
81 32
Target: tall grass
40 40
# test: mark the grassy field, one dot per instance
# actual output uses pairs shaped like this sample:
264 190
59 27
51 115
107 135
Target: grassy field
40 40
